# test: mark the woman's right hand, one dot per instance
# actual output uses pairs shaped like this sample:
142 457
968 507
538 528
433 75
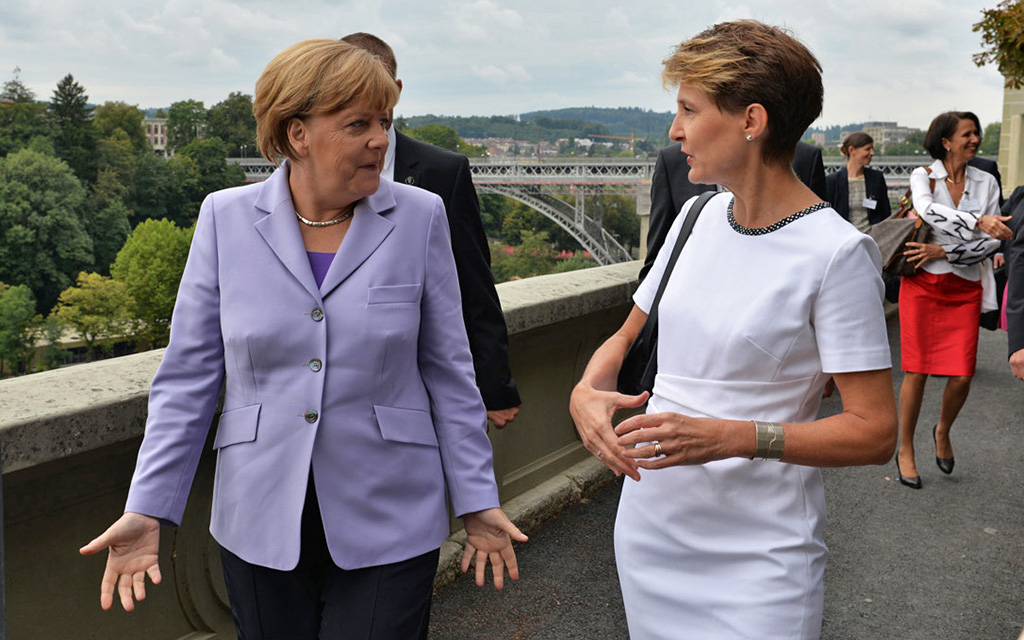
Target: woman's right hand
592 410
919 253
134 544
995 226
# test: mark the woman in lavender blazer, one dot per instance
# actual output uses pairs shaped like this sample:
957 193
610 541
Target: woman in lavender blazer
327 304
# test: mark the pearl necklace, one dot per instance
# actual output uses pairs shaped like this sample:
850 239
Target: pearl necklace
327 223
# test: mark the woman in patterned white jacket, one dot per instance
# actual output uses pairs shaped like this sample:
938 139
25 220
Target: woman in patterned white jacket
940 305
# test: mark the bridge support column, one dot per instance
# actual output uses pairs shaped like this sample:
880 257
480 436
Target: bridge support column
643 209
1011 140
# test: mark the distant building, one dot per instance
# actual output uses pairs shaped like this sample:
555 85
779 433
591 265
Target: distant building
886 133
818 138
156 132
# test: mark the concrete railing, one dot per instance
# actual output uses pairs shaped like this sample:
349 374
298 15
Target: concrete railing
70 436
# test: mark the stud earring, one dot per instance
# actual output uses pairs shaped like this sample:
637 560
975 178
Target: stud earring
750 138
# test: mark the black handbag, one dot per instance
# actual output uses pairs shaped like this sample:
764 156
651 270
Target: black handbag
640 365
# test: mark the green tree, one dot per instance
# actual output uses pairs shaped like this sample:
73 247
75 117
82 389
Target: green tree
186 121
96 309
150 266
153 192
50 334
232 121
115 163
200 168
16 91
990 141
109 228
75 141
437 135
17 310
20 122
1001 30
618 214
43 239
111 116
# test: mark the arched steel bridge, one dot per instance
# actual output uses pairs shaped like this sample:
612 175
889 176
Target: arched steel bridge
543 184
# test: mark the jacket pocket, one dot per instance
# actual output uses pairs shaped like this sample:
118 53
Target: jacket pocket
393 294
406 425
237 425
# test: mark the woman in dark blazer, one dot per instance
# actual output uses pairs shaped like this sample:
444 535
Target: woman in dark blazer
867 202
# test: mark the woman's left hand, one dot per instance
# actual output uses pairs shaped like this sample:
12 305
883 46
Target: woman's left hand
675 439
489 534
918 253
995 226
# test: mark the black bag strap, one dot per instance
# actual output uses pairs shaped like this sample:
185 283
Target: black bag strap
684 233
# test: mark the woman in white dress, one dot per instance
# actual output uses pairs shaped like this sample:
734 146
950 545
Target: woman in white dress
719 529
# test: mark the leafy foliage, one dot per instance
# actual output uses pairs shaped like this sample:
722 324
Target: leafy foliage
232 121
97 309
186 121
990 139
150 266
1002 33
437 135
43 238
17 311
198 169
16 91
20 122
111 116
75 139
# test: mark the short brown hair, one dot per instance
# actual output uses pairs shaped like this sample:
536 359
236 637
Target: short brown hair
944 126
315 77
855 141
377 47
746 62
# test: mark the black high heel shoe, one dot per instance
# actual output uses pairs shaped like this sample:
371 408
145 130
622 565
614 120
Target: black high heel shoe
945 464
913 483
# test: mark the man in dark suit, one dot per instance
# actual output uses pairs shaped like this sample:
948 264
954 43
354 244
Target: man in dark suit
991 167
671 188
1015 293
447 174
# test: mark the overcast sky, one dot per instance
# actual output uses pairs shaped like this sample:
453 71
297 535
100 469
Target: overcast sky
900 61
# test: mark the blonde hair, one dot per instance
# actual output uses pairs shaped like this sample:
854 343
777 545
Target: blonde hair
315 77
748 62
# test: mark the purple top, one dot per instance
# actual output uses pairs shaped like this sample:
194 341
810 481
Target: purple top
320 263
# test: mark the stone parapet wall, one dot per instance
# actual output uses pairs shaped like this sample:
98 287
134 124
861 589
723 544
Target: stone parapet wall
70 436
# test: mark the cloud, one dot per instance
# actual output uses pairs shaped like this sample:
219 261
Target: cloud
481 20
503 74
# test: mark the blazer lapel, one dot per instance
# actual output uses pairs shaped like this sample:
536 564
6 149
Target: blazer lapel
366 232
280 230
406 161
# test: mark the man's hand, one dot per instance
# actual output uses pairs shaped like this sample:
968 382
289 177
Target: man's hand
502 417
1017 364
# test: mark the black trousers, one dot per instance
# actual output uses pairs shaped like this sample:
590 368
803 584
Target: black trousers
319 601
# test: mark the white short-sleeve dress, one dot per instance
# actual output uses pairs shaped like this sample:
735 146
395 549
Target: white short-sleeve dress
750 327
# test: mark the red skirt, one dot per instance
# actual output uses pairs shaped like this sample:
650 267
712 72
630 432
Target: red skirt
939 316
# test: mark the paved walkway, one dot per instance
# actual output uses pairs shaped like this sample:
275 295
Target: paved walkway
943 562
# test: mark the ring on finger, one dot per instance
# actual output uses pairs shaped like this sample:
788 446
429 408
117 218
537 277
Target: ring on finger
599 452
657 449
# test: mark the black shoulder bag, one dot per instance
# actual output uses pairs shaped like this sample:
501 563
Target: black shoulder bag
640 365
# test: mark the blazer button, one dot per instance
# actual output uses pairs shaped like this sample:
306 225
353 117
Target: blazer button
315 365
311 416
317 314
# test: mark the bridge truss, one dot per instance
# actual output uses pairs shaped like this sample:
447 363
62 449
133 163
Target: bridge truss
538 183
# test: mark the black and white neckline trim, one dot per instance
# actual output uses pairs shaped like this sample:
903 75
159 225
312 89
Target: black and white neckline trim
738 228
